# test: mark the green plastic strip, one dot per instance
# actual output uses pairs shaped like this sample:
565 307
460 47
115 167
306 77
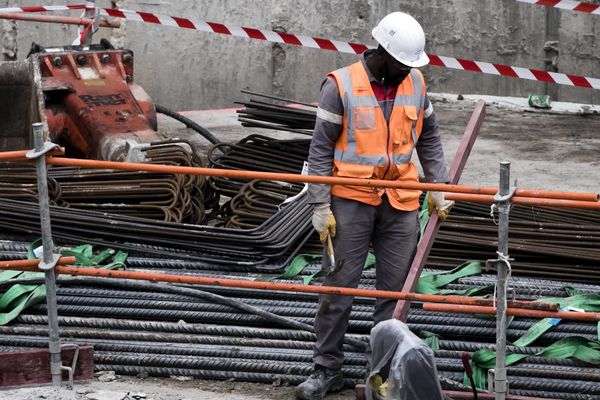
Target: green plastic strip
431 282
18 297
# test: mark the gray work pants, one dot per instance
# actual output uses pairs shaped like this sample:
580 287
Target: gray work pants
393 234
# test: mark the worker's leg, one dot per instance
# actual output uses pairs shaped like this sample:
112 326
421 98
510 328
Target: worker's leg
354 224
394 242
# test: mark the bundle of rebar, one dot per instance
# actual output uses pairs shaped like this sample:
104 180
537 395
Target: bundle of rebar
269 246
161 333
272 112
256 153
165 197
563 244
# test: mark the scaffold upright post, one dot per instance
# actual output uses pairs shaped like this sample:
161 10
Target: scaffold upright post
49 259
503 199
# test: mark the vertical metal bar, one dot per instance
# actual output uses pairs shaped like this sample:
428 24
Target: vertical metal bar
500 382
551 48
47 257
426 243
90 13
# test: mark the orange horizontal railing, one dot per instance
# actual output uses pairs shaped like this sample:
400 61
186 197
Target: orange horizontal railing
57 19
31 265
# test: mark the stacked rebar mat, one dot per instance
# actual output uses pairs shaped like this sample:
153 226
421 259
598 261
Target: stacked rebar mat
545 242
161 333
262 227
164 197
271 112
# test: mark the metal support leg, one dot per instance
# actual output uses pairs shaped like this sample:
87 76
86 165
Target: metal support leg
48 258
503 198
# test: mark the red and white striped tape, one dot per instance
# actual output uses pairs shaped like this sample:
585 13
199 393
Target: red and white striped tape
570 5
42 8
353 48
347 47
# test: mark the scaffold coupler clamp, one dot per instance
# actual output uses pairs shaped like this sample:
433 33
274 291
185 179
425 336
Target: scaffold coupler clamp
39 253
496 386
491 265
48 147
498 198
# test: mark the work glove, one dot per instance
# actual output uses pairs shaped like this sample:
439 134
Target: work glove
323 221
442 206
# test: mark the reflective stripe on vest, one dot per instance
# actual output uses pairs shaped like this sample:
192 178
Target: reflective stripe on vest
350 101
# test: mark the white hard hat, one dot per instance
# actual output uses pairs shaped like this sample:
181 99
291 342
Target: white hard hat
403 38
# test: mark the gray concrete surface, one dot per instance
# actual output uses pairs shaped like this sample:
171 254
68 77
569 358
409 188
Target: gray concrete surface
135 388
184 69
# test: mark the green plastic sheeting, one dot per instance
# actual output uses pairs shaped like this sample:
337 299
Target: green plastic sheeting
575 347
18 297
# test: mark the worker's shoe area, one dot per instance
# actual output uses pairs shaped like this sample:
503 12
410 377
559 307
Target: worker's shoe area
319 383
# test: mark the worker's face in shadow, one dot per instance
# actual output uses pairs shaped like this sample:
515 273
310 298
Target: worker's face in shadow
391 69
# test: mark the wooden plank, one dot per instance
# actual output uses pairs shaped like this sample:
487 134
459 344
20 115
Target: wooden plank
426 243
32 367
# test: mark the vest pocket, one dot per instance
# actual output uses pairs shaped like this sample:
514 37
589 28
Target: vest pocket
353 170
364 118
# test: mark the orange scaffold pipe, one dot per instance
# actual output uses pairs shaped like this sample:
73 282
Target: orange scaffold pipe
456 192
20 154
518 312
57 19
477 193
31 265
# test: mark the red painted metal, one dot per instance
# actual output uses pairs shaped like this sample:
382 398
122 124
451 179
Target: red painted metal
426 243
32 367
92 106
486 396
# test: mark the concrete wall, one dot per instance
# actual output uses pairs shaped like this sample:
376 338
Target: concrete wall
184 69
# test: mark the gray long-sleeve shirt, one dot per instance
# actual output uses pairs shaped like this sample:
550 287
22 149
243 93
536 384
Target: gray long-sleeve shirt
328 128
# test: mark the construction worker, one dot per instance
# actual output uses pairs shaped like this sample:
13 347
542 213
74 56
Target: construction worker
371 116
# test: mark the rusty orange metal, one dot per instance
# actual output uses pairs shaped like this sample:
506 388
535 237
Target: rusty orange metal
56 19
91 103
528 201
31 265
458 192
20 154
518 312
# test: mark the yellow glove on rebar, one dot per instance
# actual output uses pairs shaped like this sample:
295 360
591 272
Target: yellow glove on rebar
323 221
442 206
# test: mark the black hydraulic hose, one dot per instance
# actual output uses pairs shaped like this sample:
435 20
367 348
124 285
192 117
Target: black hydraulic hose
187 122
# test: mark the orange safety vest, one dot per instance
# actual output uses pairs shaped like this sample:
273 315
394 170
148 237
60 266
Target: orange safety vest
370 148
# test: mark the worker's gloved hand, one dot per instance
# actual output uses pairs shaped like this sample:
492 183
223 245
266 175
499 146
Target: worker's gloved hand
323 221
442 206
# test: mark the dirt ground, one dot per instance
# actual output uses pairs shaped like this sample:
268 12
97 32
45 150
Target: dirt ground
547 150
131 388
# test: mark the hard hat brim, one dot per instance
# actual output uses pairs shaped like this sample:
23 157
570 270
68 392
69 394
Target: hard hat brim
422 61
